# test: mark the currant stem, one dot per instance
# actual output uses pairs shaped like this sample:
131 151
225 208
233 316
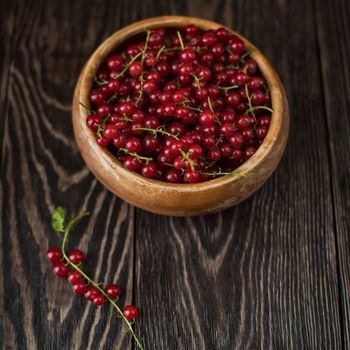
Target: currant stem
187 157
67 229
98 82
251 108
101 126
158 130
210 105
128 65
146 46
185 103
228 87
91 111
112 98
262 107
180 38
137 156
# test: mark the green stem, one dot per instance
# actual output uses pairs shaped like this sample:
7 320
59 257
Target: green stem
146 46
186 156
137 156
228 87
251 110
128 65
101 126
180 38
91 111
158 130
112 98
89 280
210 105
142 80
244 56
262 107
185 103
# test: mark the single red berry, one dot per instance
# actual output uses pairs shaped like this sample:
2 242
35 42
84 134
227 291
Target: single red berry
131 312
60 269
207 118
113 291
115 63
54 254
195 151
102 142
91 293
191 30
93 121
79 288
74 277
76 256
187 55
248 152
191 176
98 300
133 145
136 69
149 170
110 131
131 163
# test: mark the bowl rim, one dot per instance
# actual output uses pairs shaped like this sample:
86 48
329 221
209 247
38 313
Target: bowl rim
110 45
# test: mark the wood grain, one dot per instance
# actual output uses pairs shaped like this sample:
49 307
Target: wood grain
41 169
262 275
334 54
272 273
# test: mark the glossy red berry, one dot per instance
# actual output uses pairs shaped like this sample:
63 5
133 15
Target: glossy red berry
136 69
113 291
76 256
74 277
54 255
60 269
79 288
131 312
98 300
90 293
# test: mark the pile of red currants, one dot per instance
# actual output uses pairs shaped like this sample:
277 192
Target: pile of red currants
181 106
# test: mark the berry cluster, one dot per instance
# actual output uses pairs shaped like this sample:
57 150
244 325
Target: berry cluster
67 265
80 285
181 106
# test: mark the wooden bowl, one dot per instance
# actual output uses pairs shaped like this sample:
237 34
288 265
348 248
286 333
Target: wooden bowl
179 199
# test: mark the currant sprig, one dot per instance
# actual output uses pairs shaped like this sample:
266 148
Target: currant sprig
62 260
159 130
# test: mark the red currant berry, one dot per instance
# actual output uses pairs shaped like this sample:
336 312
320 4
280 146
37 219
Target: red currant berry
74 277
113 291
98 300
91 293
136 69
191 176
54 255
131 312
110 131
60 269
76 256
79 288
149 170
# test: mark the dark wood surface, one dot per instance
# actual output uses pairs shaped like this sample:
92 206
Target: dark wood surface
271 273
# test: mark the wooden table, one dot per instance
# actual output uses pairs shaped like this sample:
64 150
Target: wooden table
271 273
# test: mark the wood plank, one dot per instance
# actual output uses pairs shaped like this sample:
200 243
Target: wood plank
262 275
334 53
41 168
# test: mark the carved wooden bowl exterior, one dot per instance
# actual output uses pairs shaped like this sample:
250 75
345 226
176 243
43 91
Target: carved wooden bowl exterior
179 199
